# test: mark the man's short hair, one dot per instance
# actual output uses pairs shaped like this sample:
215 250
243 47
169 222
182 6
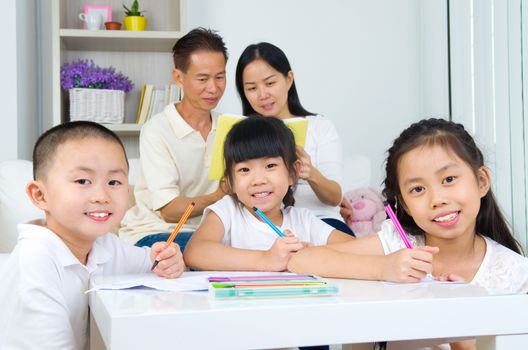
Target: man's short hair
198 39
47 144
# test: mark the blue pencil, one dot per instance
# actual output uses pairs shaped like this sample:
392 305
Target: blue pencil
267 221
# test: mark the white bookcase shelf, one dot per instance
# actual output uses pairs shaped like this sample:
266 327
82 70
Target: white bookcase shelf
128 129
118 40
143 56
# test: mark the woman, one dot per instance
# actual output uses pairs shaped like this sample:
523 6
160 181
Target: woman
266 87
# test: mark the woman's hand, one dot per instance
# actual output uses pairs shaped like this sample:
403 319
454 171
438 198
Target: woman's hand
306 168
345 210
171 264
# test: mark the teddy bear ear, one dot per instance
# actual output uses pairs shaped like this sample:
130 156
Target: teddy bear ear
378 193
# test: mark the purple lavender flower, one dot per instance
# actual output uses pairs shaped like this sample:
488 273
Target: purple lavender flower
85 74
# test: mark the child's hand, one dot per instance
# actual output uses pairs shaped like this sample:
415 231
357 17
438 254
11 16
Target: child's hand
281 251
449 277
409 265
171 263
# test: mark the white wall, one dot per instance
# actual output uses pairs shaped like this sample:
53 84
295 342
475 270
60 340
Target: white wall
18 91
8 88
357 62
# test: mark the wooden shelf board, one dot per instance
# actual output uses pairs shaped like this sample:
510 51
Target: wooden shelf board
127 129
118 40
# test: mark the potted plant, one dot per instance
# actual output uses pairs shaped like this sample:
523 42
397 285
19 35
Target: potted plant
134 20
96 93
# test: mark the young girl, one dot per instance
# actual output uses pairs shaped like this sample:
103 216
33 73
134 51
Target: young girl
266 86
436 179
261 164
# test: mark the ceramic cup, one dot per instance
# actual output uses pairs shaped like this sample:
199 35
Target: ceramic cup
92 19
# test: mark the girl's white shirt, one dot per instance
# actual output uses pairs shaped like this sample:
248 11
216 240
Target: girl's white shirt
501 267
243 230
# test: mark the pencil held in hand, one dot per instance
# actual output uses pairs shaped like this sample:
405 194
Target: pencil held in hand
397 224
268 221
176 230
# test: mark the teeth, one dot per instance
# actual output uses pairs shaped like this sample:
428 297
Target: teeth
98 215
446 218
261 194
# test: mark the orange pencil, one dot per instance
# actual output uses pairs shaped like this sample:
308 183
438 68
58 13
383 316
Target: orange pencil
176 230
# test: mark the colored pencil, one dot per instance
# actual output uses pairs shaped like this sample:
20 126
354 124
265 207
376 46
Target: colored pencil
397 224
176 229
268 221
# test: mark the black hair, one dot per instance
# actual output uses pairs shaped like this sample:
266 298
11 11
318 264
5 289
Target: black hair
451 136
46 146
258 137
277 59
198 39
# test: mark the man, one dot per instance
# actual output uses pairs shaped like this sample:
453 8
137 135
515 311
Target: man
176 145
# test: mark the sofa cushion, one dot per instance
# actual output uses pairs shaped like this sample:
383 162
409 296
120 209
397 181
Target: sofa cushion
15 206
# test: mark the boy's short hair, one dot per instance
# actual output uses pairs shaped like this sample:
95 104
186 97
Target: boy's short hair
197 39
47 144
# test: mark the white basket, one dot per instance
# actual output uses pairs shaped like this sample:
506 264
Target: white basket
97 105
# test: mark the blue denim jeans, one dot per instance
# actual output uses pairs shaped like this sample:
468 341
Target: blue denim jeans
339 225
181 239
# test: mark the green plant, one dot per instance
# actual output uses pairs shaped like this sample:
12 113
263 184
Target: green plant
133 10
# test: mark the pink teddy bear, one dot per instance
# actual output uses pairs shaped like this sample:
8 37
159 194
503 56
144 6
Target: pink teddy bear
367 211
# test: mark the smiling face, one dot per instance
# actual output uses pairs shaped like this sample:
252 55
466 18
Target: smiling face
441 192
267 89
204 82
85 190
261 183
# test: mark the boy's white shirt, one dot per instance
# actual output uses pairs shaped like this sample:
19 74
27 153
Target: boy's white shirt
501 267
245 231
42 292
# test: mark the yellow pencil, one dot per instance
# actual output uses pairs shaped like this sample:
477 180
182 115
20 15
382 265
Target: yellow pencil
176 230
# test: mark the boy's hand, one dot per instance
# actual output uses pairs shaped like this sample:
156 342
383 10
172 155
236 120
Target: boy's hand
279 254
409 265
171 263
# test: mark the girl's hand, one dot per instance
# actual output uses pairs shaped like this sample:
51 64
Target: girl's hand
305 169
281 251
171 263
409 265
449 277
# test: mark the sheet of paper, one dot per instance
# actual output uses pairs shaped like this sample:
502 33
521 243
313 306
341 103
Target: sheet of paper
184 283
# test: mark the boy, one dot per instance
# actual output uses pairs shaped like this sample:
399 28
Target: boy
80 173
176 145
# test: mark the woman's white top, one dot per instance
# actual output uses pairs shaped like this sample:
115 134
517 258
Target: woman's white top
324 147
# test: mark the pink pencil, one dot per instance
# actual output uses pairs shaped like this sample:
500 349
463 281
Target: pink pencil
396 223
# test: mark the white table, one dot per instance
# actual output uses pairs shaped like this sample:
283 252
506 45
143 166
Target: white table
364 311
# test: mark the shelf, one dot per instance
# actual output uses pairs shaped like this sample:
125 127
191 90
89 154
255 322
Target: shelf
127 129
118 40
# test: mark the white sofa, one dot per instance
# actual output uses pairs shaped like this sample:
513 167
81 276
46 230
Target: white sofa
15 206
